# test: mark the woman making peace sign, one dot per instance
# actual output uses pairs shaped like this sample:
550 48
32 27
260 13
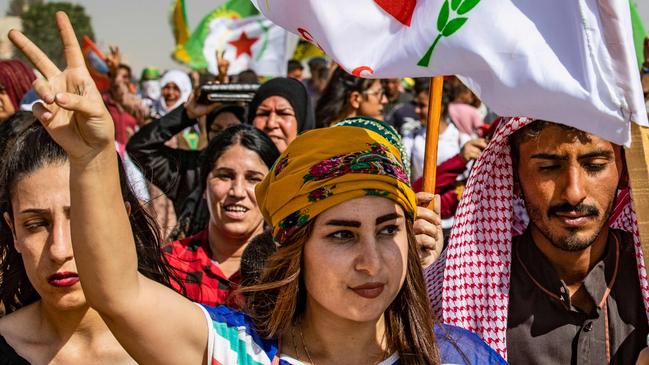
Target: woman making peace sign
345 285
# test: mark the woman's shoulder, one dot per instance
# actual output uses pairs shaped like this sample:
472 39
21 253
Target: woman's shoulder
8 355
233 338
459 346
16 327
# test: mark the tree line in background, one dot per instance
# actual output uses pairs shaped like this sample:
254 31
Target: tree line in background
37 15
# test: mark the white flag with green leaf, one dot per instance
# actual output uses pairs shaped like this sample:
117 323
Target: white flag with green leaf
567 61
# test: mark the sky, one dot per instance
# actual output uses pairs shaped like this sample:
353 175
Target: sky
141 27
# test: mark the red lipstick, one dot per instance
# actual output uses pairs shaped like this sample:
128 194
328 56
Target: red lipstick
369 290
63 279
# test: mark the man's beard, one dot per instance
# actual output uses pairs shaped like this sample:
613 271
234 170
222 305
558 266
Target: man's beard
569 242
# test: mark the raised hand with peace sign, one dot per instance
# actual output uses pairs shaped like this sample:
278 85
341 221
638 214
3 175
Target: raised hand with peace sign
132 305
222 66
72 110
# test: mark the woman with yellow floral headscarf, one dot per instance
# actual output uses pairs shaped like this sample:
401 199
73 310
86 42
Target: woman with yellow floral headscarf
345 285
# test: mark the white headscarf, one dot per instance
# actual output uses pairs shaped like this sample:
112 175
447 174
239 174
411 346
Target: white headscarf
183 82
151 89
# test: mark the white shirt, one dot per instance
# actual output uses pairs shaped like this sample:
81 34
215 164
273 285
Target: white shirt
450 144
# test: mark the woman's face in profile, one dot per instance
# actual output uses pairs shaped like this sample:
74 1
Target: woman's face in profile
355 260
373 101
40 224
6 106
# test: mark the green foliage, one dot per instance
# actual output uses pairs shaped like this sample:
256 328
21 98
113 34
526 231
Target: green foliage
39 25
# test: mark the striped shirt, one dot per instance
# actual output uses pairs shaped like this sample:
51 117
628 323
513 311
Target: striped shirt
232 340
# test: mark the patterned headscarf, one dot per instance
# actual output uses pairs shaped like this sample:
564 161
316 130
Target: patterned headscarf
325 167
383 129
469 284
16 78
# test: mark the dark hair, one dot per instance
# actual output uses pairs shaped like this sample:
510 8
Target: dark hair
533 130
246 77
335 97
254 256
317 62
206 77
243 134
14 126
422 84
238 111
294 65
29 151
123 66
279 299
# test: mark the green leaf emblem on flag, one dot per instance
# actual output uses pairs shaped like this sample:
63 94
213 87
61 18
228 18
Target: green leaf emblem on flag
447 26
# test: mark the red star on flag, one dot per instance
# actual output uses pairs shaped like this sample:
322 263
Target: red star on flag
401 10
244 44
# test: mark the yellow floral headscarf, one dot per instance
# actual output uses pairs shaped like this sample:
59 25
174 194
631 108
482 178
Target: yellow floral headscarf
325 167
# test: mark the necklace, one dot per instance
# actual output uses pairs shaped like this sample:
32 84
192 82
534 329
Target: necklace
306 349
297 354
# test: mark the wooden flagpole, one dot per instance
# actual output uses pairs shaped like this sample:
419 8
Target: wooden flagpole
637 159
432 135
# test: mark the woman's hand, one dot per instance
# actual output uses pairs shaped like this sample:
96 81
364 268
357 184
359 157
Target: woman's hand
222 66
428 228
72 111
195 110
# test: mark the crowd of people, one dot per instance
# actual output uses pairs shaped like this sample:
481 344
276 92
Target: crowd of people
144 224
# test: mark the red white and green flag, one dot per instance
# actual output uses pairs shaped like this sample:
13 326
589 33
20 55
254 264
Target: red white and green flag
568 61
250 41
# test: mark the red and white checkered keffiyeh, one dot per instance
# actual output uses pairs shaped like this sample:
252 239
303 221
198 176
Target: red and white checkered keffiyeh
469 284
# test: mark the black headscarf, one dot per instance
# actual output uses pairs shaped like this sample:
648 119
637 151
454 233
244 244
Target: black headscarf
237 110
291 90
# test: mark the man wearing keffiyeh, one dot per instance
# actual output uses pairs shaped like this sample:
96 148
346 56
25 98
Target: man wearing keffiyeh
570 286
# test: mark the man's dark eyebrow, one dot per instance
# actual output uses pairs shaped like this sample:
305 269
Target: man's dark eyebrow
344 223
596 154
387 217
549 156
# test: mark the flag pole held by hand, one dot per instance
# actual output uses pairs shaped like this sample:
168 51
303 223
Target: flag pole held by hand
432 135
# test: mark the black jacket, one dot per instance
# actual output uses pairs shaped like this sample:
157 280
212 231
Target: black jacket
174 171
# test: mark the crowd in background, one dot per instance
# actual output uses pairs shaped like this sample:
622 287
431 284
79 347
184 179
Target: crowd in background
161 127
193 165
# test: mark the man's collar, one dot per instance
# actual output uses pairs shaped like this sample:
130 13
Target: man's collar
539 269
